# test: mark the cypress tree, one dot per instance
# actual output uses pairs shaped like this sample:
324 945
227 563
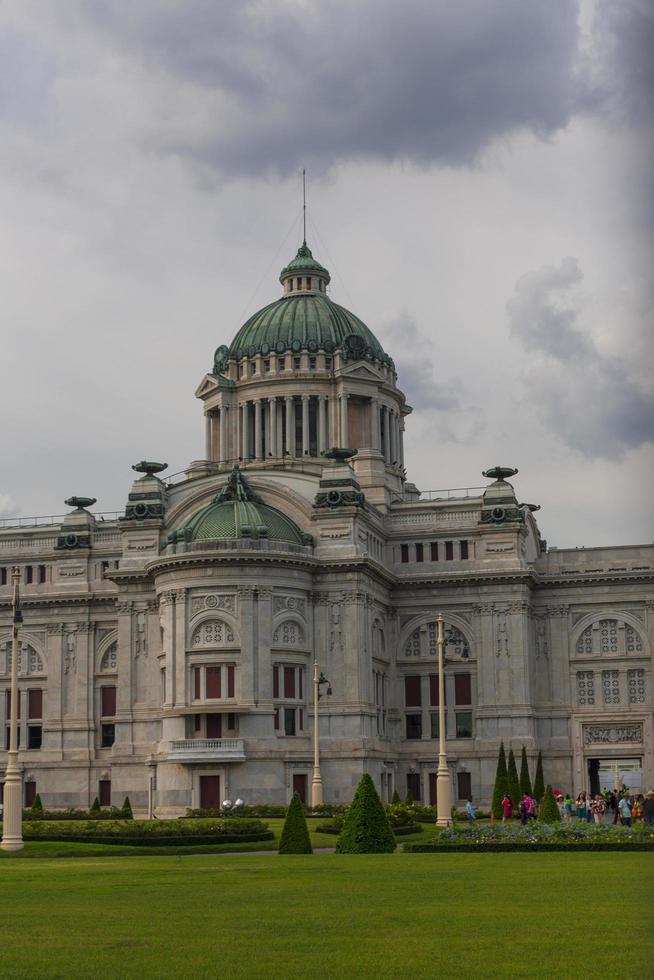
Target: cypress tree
525 782
395 799
549 811
539 782
37 806
512 781
366 829
501 784
408 799
295 833
95 806
126 810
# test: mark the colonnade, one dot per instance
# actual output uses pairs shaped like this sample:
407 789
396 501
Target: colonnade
298 426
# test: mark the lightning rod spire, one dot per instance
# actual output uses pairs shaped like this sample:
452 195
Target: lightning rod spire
304 206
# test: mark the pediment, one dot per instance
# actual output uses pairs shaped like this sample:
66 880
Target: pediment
361 370
208 385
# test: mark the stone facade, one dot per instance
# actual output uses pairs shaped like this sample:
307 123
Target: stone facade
178 671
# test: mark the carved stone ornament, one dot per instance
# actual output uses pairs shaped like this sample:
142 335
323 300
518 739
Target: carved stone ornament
612 734
213 601
290 602
71 542
331 499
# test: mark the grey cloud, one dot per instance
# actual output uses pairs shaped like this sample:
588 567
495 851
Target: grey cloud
275 85
587 398
623 41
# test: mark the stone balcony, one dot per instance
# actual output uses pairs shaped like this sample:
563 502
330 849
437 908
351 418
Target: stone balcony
206 750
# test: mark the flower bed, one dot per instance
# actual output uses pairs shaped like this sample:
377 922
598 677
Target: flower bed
150 832
112 813
539 837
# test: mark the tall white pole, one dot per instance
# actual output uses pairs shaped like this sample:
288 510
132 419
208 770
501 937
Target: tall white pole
12 827
443 786
316 778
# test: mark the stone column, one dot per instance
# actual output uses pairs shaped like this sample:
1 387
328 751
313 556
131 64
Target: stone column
125 684
223 451
246 431
392 447
289 404
258 432
236 431
180 648
344 433
401 438
322 423
272 412
387 440
53 702
208 436
305 425
374 425
166 610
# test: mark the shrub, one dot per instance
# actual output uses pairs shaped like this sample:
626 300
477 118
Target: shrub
512 780
400 816
539 782
126 810
95 806
408 799
501 786
295 835
395 797
549 811
37 806
525 781
366 829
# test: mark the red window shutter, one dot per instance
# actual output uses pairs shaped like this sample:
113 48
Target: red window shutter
462 689
433 689
196 683
214 726
420 552
464 549
30 793
412 697
104 793
449 550
300 682
275 681
230 681
434 550
213 681
108 702
35 703
289 682
404 553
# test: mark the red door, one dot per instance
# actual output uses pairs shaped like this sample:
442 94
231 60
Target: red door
214 726
210 792
300 786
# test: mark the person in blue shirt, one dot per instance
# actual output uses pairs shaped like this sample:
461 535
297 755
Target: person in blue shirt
624 807
471 811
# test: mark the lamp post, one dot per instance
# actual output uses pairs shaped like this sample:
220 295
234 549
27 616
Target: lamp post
316 779
443 788
12 827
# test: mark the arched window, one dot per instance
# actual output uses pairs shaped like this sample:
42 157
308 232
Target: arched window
608 638
214 633
288 634
29 660
109 662
423 642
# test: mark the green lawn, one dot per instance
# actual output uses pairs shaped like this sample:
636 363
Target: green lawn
383 916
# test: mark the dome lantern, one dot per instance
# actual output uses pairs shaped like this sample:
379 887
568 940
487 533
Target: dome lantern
304 273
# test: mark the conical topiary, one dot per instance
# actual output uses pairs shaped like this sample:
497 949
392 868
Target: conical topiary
37 807
95 806
366 829
395 799
501 787
539 782
408 799
126 810
525 781
295 833
512 780
548 811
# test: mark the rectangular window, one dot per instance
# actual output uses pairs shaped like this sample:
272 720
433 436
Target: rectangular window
3 576
420 552
230 680
197 723
163 685
464 724
8 704
30 792
197 677
404 553
312 363
462 689
414 726
276 719
107 702
281 363
42 574
300 682
449 550
413 785
34 736
412 693
29 574
296 363
433 689
266 365
289 721
434 724
35 703
328 363
104 792
7 737
463 545
213 682
289 682
214 726
231 721
108 735
463 785
275 681
433 549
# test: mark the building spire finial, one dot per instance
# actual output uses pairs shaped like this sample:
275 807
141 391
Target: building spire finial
304 206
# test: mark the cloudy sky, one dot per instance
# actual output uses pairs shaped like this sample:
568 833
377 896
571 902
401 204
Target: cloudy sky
478 188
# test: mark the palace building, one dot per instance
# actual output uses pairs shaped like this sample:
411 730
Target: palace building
167 652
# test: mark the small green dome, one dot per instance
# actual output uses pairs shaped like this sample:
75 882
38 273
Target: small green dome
237 513
304 262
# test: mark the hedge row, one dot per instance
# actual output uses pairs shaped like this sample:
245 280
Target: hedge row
145 829
184 840
487 848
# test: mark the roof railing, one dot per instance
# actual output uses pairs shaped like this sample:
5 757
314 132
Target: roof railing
52 520
452 493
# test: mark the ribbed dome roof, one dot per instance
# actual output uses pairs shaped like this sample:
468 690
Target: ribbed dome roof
304 262
307 321
237 513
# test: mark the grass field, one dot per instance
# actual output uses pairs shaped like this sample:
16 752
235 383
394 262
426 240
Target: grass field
324 916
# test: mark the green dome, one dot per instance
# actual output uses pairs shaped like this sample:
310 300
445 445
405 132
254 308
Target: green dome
304 262
237 513
305 321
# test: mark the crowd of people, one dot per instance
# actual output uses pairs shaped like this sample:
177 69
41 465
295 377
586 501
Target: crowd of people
608 807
